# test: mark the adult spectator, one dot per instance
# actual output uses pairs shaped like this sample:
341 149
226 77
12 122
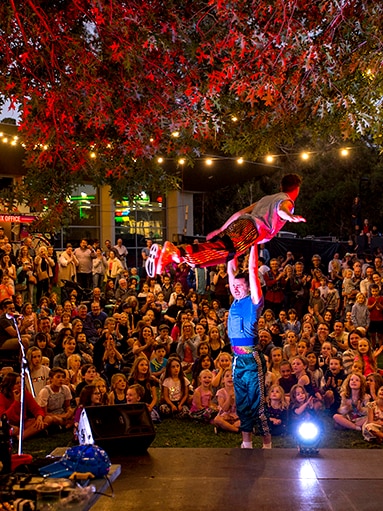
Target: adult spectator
266 342
339 337
114 267
264 253
335 271
98 297
122 252
367 282
275 283
221 286
8 333
167 287
44 271
99 267
320 337
122 291
145 254
108 248
28 242
316 264
92 321
44 326
289 259
378 265
85 255
171 314
68 264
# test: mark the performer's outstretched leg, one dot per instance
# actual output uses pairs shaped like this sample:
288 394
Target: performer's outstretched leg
235 240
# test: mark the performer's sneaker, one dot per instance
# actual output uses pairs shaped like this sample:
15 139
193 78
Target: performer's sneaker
169 254
151 262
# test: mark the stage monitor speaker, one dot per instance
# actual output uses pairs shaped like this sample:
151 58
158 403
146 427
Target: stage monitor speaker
121 429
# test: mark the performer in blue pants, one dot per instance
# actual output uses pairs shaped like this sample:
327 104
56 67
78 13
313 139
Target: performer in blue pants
249 365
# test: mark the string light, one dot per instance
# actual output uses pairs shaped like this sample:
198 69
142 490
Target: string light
343 152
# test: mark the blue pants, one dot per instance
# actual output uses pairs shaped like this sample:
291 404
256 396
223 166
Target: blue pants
249 385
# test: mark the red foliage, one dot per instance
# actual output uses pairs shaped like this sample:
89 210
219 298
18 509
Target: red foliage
123 75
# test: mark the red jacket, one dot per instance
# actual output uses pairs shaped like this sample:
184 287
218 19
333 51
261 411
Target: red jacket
11 408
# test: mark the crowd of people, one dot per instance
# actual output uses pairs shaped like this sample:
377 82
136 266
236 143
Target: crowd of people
163 341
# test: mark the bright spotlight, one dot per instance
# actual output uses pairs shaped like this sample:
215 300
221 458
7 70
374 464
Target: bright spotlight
308 435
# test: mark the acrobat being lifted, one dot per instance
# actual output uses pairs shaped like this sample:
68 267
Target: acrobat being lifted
258 223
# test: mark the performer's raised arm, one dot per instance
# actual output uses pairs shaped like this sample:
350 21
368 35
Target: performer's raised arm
233 217
255 285
231 271
285 212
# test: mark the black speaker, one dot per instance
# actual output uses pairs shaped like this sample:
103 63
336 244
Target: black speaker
121 429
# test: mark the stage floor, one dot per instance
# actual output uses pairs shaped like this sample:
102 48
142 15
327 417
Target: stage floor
239 480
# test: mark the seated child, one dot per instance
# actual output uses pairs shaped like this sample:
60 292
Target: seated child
277 407
175 390
287 379
352 413
373 427
158 362
55 399
202 407
227 417
134 394
332 383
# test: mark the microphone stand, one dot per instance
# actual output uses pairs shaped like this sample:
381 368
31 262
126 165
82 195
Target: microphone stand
24 370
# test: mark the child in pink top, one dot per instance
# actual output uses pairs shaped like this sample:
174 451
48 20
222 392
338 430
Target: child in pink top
202 407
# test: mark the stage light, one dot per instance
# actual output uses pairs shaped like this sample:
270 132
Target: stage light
308 435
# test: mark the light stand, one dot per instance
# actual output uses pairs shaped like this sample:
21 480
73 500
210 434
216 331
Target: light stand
24 370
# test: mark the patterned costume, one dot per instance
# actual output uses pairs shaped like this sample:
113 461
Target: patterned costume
249 365
260 226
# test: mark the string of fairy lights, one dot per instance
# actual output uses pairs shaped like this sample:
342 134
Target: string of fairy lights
269 159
